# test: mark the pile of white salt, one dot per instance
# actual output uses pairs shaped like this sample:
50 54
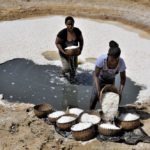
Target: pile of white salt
56 114
110 103
81 126
109 126
65 119
128 117
76 111
90 118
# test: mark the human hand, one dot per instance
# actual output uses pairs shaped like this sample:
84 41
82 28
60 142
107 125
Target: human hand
68 52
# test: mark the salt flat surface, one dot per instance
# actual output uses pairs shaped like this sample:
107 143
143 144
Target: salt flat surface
28 38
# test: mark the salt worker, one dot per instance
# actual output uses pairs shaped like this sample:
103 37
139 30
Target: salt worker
69 36
106 68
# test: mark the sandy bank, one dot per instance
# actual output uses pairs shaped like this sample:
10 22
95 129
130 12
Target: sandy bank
132 12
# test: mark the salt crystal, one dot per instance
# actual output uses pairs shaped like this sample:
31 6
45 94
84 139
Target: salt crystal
65 119
81 126
56 114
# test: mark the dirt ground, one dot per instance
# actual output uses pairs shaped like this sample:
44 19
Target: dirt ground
131 12
20 129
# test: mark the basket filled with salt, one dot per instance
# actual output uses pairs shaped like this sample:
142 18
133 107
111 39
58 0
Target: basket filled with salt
73 50
128 121
66 121
55 115
83 131
75 111
108 129
109 97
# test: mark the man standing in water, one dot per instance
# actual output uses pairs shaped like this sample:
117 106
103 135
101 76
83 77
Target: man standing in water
69 36
107 66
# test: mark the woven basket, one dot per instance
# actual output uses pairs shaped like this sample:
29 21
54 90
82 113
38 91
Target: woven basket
68 125
108 132
73 52
108 88
128 125
53 120
85 134
42 110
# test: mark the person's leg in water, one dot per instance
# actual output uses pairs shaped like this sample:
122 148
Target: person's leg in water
73 67
65 66
94 98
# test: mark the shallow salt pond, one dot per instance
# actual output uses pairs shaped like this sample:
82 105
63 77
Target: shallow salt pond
27 76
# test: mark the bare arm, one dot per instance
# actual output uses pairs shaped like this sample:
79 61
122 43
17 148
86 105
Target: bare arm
81 43
58 43
122 81
96 79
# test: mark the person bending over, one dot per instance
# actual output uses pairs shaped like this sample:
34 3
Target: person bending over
106 68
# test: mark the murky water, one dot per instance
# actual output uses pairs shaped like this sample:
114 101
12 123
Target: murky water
27 73
25 81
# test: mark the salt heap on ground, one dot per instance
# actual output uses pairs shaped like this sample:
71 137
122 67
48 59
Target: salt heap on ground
90 118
